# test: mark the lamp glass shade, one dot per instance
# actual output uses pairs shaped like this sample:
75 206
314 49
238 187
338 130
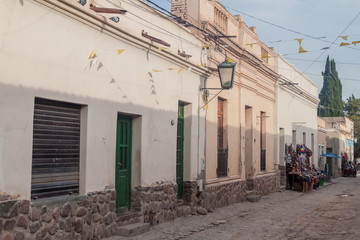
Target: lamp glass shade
226 73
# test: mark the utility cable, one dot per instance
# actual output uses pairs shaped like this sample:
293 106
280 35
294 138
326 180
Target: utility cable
281 27
332 42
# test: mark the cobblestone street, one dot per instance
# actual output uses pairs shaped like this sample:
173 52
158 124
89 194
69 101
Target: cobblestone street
331 212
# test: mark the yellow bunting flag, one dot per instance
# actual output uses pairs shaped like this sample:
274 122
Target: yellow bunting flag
155 70
301 50
92 54
205 100
355 42
200 65
229 60
179 70
171 69
251 44
264 55
344 44
344 37
120 51
162 48
206 46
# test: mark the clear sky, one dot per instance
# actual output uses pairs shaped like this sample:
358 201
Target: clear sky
323 19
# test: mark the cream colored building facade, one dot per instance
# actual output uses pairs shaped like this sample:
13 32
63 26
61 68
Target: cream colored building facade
59 58
297 104
240 122
339 140
321 142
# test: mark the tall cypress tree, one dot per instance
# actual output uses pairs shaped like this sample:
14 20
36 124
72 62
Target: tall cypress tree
331 92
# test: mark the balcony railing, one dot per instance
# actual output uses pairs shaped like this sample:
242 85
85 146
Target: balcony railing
263 160
222 163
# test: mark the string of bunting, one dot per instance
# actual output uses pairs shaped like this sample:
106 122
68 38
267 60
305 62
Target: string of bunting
94 58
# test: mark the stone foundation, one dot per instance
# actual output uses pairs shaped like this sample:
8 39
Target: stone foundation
94 216
225 193
192 196
266 184
158 202
282 170
86 217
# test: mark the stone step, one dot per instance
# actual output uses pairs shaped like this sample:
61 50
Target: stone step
132 229
282 188
128 215
253 198
249 192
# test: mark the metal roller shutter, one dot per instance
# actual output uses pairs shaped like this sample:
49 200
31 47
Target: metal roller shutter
56 149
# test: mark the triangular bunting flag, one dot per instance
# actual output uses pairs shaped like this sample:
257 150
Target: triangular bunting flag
264 55
162 48
155 70
179 70
229 59
92 54
344 37
206 46
120 51
171 69
301 50
251 44
355 42
100 66
205 100
344 44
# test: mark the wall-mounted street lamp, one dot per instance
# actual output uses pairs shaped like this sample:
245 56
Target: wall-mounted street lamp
226 71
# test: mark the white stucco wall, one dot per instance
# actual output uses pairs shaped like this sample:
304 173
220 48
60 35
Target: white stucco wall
44 53
296 108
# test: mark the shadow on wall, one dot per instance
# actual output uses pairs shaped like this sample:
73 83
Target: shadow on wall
17 107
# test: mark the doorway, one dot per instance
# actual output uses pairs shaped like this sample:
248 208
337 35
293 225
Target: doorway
123 162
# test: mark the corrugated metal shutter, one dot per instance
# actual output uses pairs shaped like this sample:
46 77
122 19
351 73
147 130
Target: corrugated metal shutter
56 149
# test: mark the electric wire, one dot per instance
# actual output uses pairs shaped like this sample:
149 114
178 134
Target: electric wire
332 42
281 27
308 60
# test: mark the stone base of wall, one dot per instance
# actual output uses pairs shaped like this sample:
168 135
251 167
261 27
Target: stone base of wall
94 216
266 184
192 196
225 193
282 170
160 203
86 217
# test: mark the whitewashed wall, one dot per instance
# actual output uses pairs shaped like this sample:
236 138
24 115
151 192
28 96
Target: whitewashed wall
44 53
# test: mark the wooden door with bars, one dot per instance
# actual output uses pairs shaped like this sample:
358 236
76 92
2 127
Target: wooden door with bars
222 164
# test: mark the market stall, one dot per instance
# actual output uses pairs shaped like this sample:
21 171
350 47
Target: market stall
300 175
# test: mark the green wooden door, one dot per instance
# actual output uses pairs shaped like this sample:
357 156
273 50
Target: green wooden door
123 163
180 151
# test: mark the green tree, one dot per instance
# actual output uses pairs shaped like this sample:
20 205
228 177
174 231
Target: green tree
352 111
331 92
